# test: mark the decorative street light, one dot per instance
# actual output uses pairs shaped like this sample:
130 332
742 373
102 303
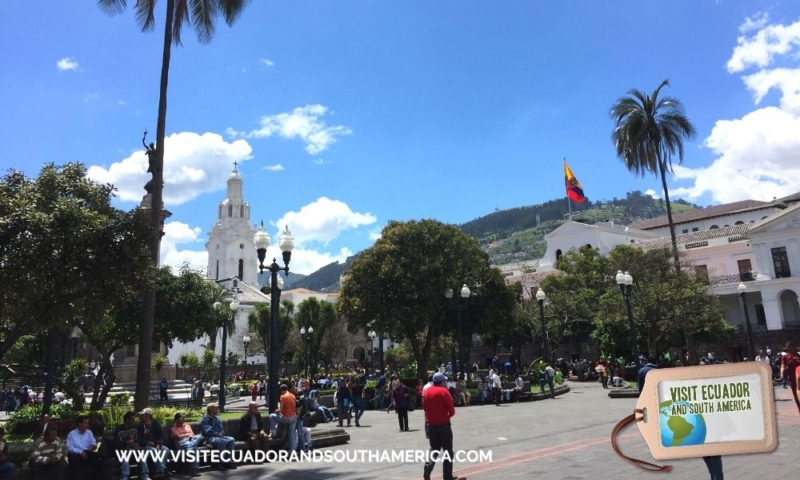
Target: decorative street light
540 296
234 306
373 335
306 334
742 288
465 293
625 282
286 245
246 343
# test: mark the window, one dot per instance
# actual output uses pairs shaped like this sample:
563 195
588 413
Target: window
701 274
216 277
761 317
739 223
558 254
781 261
685 230
230 210
241 269
241 211
713 227
745 270
695 229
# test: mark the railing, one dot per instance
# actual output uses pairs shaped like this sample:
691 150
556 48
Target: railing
745 276
740 328
791 326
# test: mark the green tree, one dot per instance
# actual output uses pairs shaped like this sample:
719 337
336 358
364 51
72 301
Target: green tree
329 330
202 15
258 322
397 286
648 131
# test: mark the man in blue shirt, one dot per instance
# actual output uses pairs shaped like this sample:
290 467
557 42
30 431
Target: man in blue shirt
214 433
82 451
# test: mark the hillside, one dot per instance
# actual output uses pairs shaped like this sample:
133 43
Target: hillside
517 234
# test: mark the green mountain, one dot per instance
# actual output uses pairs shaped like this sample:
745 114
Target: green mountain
517 234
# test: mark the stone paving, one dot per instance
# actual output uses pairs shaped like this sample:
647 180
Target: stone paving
566 438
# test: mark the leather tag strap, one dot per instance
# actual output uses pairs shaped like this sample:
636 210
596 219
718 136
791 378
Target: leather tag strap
634 461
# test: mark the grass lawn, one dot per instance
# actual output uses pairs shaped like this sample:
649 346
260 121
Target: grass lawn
222 416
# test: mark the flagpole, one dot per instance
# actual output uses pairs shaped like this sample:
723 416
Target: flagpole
569 203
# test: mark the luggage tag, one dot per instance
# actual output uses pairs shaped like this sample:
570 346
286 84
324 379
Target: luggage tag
702 411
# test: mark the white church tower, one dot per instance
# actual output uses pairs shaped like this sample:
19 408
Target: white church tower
231 252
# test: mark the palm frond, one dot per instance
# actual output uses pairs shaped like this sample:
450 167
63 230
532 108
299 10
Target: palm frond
232 9
112 7
203 14
145 15
181 18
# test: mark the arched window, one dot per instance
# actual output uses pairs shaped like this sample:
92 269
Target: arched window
241 211
216 277
588 245
713 227
241 269
230 210
220 211
558 254
739 223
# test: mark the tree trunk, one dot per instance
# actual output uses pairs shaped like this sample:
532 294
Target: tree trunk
101 388
142 396
663 170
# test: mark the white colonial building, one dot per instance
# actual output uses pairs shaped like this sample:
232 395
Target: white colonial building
752 243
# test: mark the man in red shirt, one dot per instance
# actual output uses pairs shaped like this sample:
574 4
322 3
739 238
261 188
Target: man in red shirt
792 369
439 408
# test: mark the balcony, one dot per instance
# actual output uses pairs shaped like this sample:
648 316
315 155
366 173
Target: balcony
791 326
744 276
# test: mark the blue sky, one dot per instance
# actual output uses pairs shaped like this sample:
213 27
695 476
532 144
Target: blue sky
346 115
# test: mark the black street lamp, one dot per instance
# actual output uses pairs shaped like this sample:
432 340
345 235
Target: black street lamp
742 288
286 245
234 306
465 293
372 335
246 343
306 334
625 282
540 296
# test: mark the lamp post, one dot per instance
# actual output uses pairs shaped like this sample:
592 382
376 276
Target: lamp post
540 296
625 282
246 343
465 293
373 335
742 288
286 245
234 306
306 334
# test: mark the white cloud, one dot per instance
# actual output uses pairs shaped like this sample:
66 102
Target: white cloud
267 62
274 168
756 22
193 164
760 49
67 63
652 193
375 234
121 102
321 161
757 155
304 123
323 220
178 233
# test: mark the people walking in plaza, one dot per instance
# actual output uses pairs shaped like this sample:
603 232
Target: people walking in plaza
497 387
791 370
358 393
163 385
548 378
214 432
343 403
400 399
183 438
601 367
439 409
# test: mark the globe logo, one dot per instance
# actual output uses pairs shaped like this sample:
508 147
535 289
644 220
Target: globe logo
679 427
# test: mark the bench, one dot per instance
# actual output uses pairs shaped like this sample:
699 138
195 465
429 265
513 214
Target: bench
182 402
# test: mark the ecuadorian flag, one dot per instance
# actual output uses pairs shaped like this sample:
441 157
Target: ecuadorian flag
574 188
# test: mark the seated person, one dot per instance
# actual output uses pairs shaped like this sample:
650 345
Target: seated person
48 456
127 438
251 428
518 387
184 439
6 468
214 432
482 391
82 451
327 414
461 389
619 376
151 438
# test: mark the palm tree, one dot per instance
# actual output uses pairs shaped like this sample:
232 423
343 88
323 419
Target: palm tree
649 130
202 14
221 295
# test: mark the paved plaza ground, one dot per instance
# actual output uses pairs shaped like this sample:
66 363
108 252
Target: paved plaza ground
564 438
